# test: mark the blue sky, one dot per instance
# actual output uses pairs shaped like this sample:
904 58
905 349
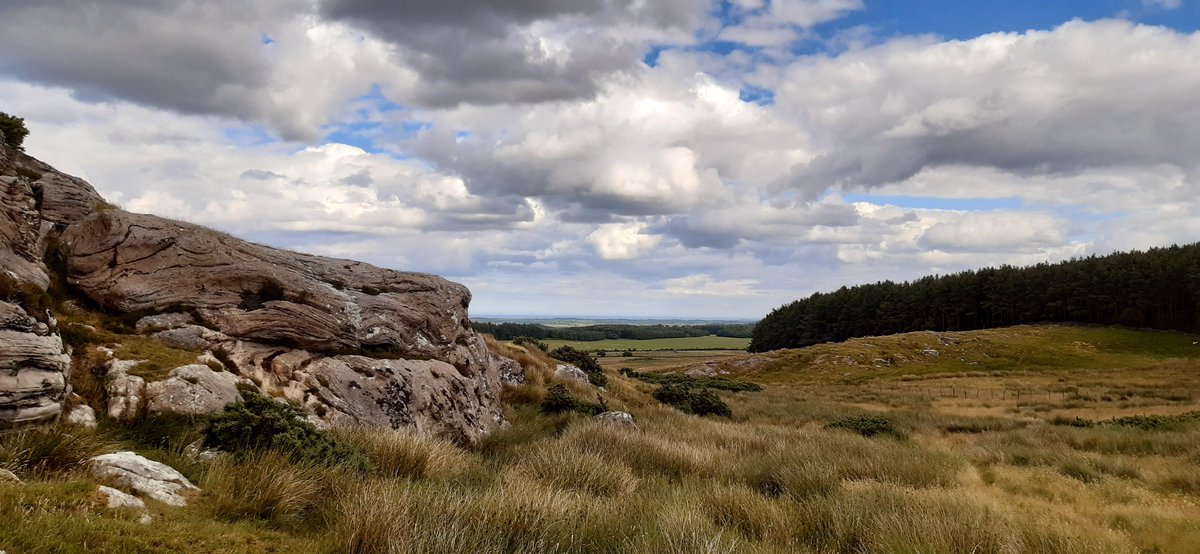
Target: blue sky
680 158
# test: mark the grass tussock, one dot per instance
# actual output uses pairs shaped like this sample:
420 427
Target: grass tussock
565 469
51 452
407 454
270 487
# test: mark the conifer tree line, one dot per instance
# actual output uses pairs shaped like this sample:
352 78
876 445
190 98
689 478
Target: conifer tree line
1158 288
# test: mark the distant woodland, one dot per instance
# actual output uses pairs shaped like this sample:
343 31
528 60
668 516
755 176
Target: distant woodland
1159 288
509 331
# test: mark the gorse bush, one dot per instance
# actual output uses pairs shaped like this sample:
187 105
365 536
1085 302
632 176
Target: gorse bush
559 400
720 383
523 340
867 425
699 402
260 423
583 361
14 130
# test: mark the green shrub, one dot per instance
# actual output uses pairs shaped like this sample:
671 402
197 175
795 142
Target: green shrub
866 425
523 340
693 401
262 423
583 361
1159 422
14 130
720 383
559 400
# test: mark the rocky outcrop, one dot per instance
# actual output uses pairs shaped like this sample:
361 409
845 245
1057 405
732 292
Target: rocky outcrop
35 201
133 263
192 390
33 368
354 343
149 478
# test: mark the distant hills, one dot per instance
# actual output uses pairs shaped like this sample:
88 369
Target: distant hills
1158 288
609 330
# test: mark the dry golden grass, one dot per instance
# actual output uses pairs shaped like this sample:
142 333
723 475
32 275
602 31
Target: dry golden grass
407 454
974 473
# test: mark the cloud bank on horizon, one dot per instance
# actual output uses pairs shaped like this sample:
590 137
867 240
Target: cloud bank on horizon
691 158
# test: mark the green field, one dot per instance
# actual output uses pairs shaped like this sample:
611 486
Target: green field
711 342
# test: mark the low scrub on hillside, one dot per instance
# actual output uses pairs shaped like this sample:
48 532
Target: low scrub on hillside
583 361
720 383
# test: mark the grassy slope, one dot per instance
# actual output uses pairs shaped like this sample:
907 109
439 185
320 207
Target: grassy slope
772 479
1043 348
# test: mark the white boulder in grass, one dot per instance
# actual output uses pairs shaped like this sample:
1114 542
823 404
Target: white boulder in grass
119 499
619 419
146 477
572 372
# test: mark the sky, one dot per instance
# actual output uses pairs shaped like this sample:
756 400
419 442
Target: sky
654 158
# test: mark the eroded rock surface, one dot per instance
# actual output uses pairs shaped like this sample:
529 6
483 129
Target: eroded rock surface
33 369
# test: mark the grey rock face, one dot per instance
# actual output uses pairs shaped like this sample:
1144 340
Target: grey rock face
143 476
192 390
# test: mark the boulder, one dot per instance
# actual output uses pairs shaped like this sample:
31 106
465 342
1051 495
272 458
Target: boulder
618 419
7 476
116 499
146 477
81 415
192 390
570 372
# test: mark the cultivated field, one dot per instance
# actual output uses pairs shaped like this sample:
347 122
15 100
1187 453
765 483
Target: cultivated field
1003 441
711 342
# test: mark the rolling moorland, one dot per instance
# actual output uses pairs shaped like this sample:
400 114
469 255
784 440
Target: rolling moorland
1023 439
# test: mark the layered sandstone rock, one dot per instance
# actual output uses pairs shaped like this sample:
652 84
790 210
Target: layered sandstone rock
354 343
35 202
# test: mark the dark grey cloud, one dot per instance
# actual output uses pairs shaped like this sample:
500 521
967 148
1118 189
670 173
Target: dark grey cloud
483 52
189 57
